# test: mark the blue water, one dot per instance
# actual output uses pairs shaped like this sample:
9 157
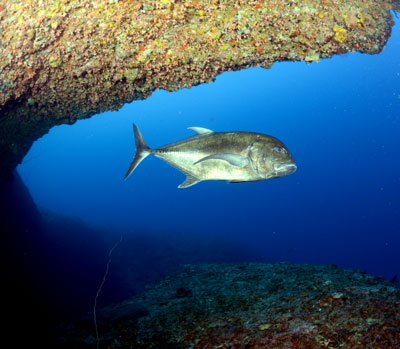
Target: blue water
340 119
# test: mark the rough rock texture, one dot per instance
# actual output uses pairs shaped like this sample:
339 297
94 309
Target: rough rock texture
67 59
252 305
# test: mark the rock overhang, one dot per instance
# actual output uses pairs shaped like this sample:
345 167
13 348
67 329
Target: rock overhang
67 60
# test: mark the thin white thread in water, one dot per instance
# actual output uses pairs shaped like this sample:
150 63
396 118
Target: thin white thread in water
99 290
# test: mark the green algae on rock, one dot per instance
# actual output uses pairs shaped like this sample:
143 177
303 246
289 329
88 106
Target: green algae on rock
66 59
255 305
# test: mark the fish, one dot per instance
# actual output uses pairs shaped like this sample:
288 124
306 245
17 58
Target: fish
235 157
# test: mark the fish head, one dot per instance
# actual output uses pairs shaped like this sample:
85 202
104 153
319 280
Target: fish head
271 159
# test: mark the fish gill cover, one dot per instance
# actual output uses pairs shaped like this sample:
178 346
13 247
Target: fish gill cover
64 60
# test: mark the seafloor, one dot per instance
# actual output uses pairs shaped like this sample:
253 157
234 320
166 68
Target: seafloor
251 305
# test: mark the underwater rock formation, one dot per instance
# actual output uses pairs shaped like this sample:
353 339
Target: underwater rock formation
38 269
65 60
254 305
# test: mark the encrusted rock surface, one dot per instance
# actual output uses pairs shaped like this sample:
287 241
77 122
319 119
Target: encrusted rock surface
67 59
253 305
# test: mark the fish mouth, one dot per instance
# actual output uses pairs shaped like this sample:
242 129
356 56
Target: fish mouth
286 169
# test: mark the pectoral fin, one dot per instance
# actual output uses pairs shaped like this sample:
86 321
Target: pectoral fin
189 181
233 159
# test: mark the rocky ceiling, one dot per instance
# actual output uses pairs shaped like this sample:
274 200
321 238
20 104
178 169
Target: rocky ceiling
63 60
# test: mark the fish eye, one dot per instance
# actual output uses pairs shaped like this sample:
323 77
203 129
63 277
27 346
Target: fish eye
280 150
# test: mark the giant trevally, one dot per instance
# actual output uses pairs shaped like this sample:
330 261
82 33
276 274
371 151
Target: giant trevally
226 156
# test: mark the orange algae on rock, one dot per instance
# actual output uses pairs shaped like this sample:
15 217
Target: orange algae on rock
62 60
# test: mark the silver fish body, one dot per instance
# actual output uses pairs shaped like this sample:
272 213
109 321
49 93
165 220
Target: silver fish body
227 156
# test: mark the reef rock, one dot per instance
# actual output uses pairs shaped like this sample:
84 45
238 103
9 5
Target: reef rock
67 59
255 305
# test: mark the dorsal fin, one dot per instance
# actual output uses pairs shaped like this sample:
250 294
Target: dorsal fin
200 130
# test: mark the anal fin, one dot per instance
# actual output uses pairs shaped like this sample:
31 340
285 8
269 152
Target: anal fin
189 181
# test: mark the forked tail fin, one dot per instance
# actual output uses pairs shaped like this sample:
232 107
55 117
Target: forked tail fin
142 151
